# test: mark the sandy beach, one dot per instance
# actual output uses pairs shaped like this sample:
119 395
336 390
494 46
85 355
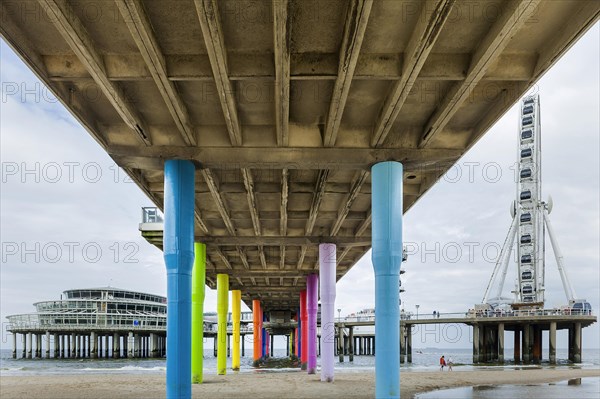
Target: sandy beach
267 385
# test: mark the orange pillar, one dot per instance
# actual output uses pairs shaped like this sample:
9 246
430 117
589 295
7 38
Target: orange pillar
256 329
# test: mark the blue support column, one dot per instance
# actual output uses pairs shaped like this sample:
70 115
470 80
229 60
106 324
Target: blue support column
386 211
178 249
263 340
299 334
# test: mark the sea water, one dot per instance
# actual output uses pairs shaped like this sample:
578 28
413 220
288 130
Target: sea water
426 359
580 388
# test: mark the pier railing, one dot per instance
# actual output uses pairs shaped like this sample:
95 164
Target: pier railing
93 322
489 313
151 214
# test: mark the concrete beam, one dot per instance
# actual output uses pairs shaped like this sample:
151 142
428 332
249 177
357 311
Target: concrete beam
67 23
511 20
256 67
360 230
141 31
413 159
223 258
249 185
354 32
210 22
243 257
261 254
357 183
316 200
283 213
281 38
319 192
434 14
213 186
252 241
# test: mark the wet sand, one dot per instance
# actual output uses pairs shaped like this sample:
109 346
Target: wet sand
267 385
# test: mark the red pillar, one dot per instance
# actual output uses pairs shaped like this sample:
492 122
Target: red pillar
304 319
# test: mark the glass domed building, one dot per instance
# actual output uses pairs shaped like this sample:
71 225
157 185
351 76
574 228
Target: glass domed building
94 322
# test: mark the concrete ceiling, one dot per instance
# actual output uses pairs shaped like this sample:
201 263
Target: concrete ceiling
286 104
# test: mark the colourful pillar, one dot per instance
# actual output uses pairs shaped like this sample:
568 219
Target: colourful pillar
304 317
222 309
386 211
296 335
178 250
198 284
267 343
263 337
327 265
236 315
312 305
299 337
256 329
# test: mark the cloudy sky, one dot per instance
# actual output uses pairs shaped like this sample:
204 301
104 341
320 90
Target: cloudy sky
70 217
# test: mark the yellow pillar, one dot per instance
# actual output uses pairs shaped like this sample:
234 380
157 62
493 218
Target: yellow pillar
236 314
222 309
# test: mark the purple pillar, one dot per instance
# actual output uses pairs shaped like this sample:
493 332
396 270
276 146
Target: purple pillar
327 265
312 299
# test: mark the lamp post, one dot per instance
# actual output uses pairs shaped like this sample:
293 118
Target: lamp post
417 306
339 315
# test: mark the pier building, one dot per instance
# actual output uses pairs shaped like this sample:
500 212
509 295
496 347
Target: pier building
93 322
104 322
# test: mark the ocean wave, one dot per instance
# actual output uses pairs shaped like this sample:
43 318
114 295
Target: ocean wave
125 368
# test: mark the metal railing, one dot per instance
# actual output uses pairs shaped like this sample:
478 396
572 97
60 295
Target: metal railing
151 214
494 313
99 321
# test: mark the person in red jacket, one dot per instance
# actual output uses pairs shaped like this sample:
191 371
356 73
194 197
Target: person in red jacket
442 363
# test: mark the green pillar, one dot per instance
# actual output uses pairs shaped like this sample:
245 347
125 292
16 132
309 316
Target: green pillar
198 283
222 309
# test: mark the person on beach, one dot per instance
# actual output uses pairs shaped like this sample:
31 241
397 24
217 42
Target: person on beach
442 363
450 364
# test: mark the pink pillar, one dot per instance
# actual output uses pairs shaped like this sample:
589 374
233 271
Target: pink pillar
327 264
303 330
312 305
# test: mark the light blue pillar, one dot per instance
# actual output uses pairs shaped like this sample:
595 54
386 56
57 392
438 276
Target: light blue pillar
386 211
178 249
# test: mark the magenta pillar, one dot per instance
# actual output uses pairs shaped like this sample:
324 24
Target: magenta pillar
327 264
312 305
